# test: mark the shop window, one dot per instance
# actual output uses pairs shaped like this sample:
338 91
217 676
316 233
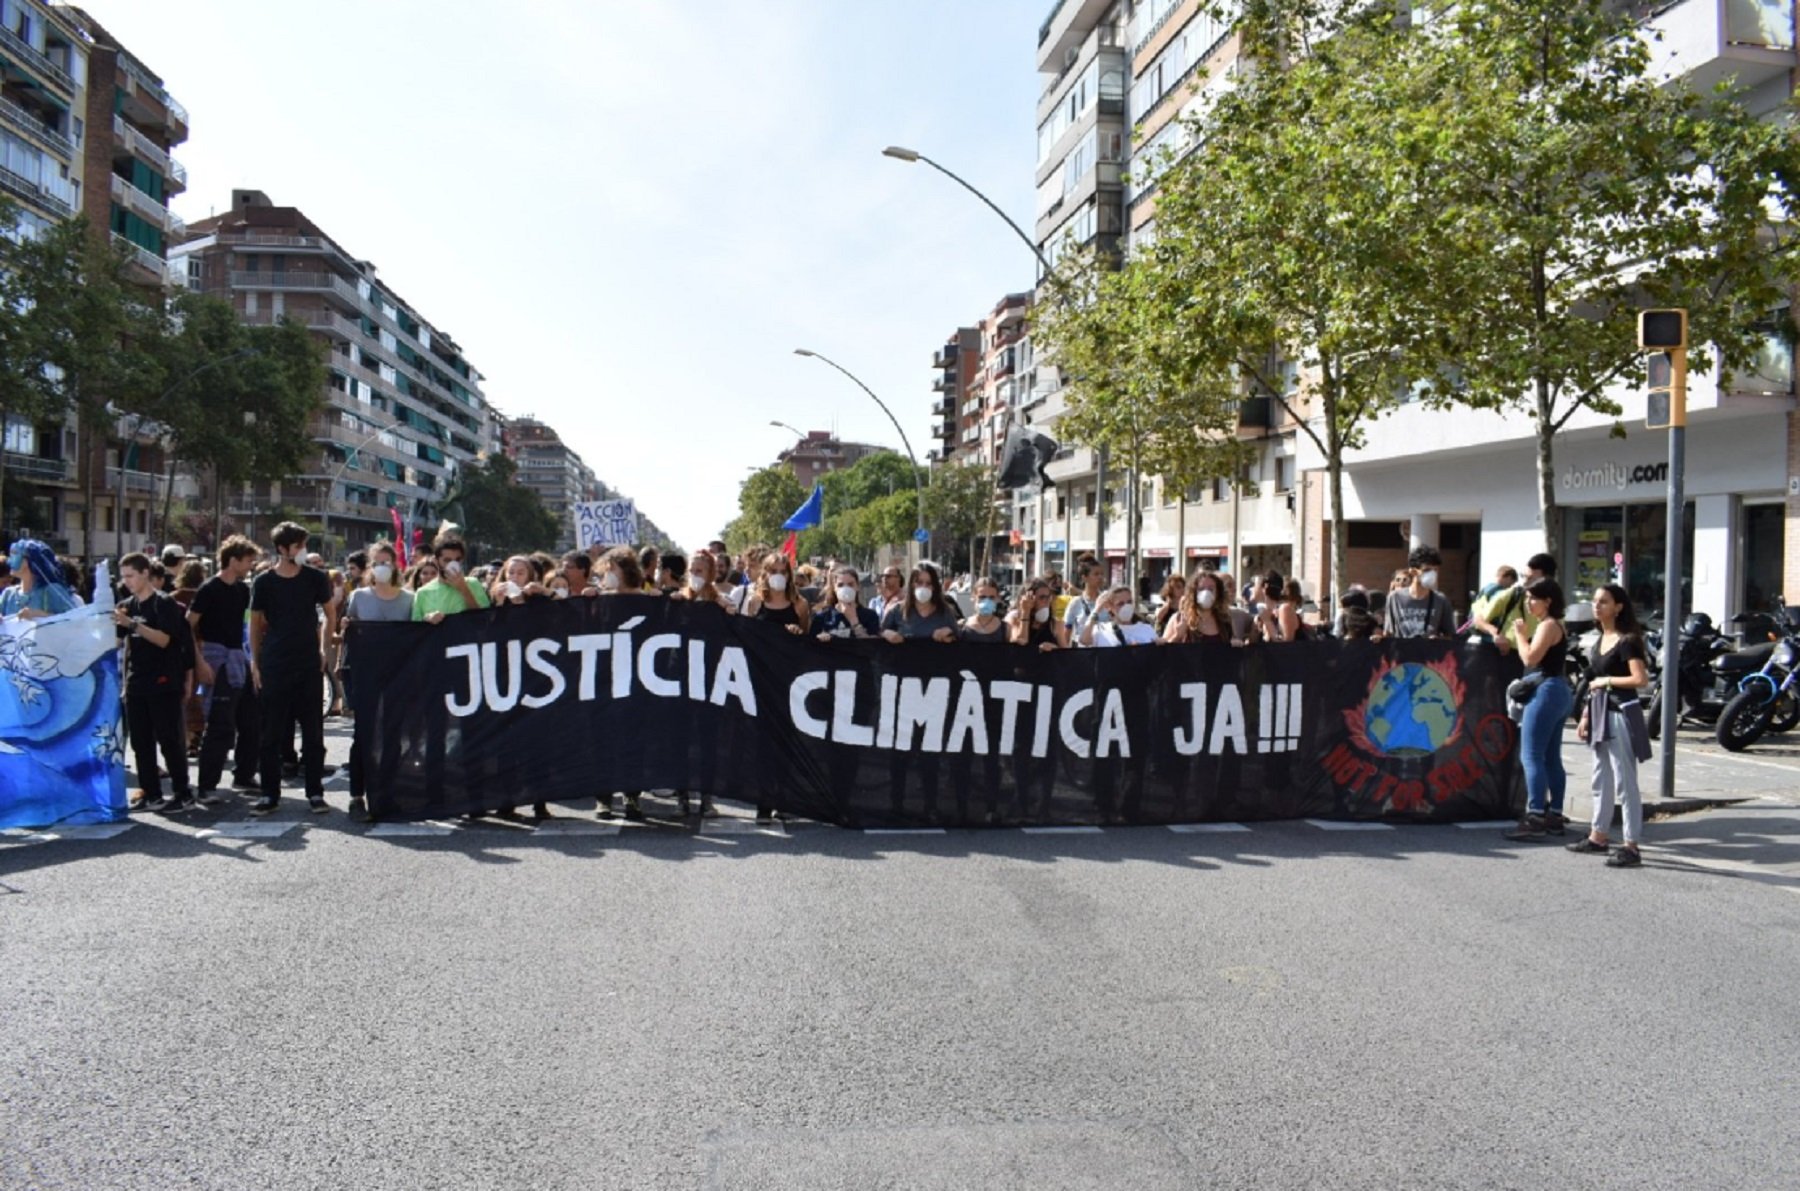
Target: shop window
1764 556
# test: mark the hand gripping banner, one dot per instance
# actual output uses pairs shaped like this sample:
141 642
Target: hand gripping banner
575 698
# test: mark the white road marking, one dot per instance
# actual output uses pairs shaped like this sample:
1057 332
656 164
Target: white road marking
83 831
255 829
1206 828
730 826
1062 830
428 827
575 827
1335 825
1489 825
904 831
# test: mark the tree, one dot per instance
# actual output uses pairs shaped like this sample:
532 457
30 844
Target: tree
766 499
1138 385
1559 158
1296 227
25 391
499 516
91 325
959 508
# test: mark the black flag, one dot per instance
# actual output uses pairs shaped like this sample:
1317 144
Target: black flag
1027 455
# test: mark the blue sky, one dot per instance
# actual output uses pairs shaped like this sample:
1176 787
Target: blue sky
629 215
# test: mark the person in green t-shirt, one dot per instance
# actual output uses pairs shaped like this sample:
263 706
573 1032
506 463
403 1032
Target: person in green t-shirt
451 592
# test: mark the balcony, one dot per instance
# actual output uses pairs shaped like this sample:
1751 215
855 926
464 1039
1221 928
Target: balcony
38 470
946 356
944 384
329 283
137 483
130 141
1705 42
1256 413
20 50
35 126
141 204
20 186
144 260
941 407
1067 26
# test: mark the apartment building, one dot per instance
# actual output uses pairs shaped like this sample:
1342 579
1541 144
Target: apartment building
820 453
552 470
43 106
403 408
954 365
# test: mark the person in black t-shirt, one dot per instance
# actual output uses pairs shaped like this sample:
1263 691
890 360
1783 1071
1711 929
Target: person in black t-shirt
158 656
1618 671
222 670
287 663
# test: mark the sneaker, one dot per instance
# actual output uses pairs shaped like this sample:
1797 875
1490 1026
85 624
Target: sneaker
211 798
634 812
763 816
1555 824
1625 857
135 801
359 811
177 804
707 809
1531 827
156 805
319 805
1587 847
245 782
264 806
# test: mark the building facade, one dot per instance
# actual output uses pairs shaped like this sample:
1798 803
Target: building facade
819 454
553 471
953 365
403 408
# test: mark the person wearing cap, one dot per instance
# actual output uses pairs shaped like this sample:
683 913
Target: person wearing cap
172 557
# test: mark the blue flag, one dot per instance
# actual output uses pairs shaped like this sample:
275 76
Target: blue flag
810 514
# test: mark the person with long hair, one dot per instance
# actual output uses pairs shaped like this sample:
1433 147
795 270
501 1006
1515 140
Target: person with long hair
1545 651
842 615
1174 590
1205 615
1618 671
1033 623
41 589
925 612
702 585
380 599
775 598
621 575
420 573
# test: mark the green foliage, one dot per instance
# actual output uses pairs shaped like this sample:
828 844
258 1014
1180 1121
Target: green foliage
1556 157
497 515
766 499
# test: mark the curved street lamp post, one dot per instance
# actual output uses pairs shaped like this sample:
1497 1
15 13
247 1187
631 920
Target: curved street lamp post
1049 275
923 537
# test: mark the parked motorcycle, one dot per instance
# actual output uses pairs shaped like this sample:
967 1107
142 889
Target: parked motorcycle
1699 695
1768 697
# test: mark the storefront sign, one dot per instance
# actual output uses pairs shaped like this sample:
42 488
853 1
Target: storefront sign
1612 477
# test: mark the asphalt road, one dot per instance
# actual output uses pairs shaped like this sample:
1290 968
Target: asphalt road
1279 1006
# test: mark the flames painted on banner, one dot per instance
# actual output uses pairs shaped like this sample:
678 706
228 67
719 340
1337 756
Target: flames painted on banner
1410 746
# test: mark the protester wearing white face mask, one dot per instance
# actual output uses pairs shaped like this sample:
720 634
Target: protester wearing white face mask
380 599
1115 622
1419 609
925 614
1033 623
842 615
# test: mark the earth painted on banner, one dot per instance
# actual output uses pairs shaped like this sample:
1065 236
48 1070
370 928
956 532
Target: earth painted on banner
1411 712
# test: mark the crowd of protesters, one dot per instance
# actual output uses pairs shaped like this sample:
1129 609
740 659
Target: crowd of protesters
235 664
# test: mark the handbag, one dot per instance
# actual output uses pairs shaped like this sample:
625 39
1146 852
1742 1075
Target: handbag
1521 691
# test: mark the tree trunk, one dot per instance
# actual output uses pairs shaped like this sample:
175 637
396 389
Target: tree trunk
4 415
1334 470
168 499
1546 471
86 439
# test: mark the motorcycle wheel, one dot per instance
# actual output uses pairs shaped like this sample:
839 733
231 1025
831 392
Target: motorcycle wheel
1744 720
1787 713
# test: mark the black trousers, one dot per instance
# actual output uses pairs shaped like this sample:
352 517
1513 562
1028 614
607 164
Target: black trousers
157 718
293 697
233 725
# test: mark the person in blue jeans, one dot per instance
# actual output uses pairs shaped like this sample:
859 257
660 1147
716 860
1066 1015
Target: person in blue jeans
1545 650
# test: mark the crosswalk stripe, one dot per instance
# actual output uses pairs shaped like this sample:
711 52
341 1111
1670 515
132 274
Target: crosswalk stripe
427 827
1206 828
253 829
1347 825
904 831
1062 830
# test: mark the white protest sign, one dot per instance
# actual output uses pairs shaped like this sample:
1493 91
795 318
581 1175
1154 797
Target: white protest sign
605 523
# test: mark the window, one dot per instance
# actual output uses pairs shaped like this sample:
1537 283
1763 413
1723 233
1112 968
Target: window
1088 501
1284 473
1220 489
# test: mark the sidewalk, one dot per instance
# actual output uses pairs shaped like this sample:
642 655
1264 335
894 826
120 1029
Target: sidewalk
1768 774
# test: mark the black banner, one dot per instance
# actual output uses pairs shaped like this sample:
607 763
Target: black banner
569 699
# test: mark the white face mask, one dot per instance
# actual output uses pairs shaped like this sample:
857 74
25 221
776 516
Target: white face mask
1042 615
778 582
1207 598
560 593
610 582
1127 612
922 595
381 572
1429 580
846 595
696 582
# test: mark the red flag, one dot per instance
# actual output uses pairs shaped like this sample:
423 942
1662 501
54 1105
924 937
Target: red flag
791 547
399 535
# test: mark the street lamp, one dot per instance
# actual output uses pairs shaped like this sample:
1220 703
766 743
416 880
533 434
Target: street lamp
788 428
904 441
1056 283
349 457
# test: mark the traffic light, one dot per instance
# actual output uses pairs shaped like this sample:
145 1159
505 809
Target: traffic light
1663 333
